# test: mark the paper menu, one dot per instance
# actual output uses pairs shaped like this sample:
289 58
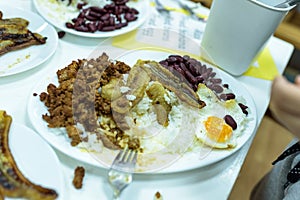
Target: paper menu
173 30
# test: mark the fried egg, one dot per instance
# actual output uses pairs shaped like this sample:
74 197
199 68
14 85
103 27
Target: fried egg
213 130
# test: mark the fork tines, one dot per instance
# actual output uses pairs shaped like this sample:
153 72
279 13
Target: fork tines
125 160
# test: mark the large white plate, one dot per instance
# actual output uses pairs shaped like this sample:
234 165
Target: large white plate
190 160
58 15
35 158
24 59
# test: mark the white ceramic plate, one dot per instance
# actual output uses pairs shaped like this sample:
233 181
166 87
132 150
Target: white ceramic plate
24 59
190 160
58 14
35 158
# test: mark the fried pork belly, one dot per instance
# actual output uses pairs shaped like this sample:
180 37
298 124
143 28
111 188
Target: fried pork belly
15 35
139 78
171 82
137 83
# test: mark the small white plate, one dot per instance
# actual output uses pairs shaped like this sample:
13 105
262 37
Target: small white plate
24 59
35 158
58 14
190 160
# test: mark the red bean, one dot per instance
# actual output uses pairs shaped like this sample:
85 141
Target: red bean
223 97
112 21
213 74
244 108
80 5
217 88
171 60
200 79
227 96
230 121
69 25
226 85
193 69
92 27
105 17
95 14
79 22
183 67
91 18
216 80
96 18
205 75
130 17
108 28
203 69
82 28
190 77
100 25
96 9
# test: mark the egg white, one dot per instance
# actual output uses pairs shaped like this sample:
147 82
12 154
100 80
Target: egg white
218 108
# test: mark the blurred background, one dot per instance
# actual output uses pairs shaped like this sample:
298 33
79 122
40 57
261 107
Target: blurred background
271 138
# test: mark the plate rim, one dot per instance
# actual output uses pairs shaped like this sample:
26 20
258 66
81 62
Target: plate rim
95 35
90 160
52 34
31 133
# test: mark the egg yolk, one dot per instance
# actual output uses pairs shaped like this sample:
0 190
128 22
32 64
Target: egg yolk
217 129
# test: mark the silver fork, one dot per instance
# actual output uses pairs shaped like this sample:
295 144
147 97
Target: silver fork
120 172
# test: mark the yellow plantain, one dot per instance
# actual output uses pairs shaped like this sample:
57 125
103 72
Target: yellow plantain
12 182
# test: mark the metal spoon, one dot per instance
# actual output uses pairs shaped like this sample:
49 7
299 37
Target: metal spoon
287 4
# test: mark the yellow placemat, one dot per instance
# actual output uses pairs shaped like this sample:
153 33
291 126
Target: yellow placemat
264 67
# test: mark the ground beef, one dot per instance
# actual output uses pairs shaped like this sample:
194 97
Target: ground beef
77 100
78 177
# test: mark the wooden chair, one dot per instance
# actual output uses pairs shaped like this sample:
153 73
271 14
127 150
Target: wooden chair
206 3
289 29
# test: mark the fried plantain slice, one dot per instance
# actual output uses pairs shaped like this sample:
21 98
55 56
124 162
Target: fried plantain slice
12 182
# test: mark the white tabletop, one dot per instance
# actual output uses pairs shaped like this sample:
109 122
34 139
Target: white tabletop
212 182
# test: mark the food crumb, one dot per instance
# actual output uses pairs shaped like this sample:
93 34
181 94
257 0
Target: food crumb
158 196
78 177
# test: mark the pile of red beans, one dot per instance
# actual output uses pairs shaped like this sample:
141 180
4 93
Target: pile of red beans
194 72
108 18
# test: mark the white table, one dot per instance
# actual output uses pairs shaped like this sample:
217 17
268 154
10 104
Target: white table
212 182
